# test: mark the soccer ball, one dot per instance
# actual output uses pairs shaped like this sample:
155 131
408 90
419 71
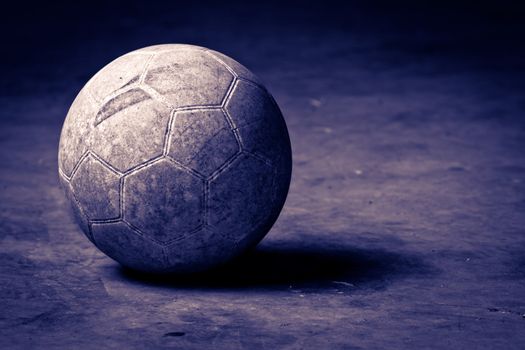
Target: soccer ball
175 158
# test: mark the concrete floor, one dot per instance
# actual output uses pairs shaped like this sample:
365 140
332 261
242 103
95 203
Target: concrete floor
404 225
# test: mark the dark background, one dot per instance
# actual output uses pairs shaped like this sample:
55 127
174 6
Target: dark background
404 225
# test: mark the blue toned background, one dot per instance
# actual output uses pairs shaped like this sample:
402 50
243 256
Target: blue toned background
404 223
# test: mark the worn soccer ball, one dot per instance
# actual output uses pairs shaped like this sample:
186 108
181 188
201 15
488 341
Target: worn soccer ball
175 158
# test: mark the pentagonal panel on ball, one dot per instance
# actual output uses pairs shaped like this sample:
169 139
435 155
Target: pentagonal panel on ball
188 77
163 201
128 247
97 189
241 197
202 140
133 133
260 124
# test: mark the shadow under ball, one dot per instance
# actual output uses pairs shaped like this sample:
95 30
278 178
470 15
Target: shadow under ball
175 158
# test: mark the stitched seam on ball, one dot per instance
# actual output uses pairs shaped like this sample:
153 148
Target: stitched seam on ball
182 236
121 197
89 233
228 98
259 157
129 173
77 165
155 95
167 135
168 138
203 204
143 164
225 166
165 259
64 176
229 91
184 167
208 140
141 234
238 139
134 229
106 221
229 119
234 72
233 126
145 69
206 199
257 85
105 164
230 69
198 108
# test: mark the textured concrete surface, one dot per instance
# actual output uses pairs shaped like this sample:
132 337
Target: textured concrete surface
404 227
188 160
